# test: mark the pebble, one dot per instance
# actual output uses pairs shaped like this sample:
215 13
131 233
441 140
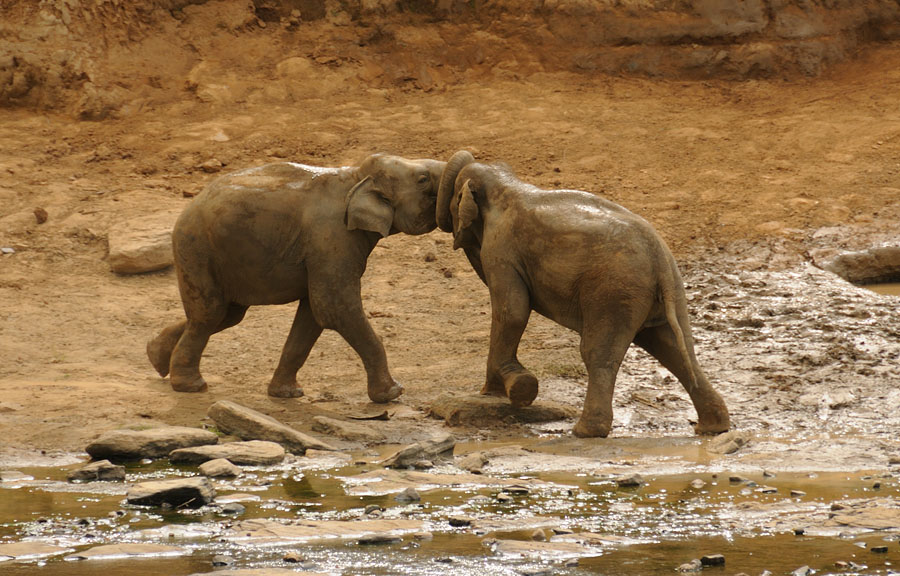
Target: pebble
734 479
8 250
539 536
798 493
460 521
697 484
222 560
693 566
767 490
713 560
516 490
629 481
233 509
40 215
372 508
408 495
802 571
293 558
879 549
799 531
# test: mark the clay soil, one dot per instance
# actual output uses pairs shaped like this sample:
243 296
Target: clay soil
743 179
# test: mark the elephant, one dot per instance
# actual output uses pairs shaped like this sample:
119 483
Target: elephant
587 264
286 232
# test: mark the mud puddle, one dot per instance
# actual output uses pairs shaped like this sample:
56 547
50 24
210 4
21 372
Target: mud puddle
892 289
340 514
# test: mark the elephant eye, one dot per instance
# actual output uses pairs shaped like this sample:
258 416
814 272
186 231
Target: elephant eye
423 179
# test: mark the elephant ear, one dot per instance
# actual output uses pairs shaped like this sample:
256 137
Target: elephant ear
367 209
467 212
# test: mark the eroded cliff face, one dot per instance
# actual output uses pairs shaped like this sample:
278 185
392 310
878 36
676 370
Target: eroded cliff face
94 58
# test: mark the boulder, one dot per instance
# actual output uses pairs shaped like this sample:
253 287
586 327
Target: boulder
483 411
877 264
179 493
248 424
102 470
220 468
252 453
353 431
142 244
151 443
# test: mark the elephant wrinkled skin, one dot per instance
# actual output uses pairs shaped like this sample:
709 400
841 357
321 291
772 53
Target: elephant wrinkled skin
584 262
285 232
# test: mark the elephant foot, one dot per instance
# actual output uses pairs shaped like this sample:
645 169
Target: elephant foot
196 385
493 389
285 390
585 428
522 389
384 396
712 426
159 356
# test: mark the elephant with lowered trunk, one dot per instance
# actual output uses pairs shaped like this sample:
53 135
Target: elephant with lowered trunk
584 262
285 232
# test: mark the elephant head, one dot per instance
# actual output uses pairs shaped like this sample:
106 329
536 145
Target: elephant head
394 194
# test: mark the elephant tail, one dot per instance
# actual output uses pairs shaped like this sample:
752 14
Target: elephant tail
671 288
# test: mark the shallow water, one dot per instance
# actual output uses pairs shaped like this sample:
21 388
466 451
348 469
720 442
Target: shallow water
648 530
892 289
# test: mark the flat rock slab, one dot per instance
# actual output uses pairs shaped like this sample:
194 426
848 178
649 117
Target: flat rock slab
112 551
252 453
873 515
488 411
270 532
142 244
29 550
179 493
541 550
150 443
355 431
440 446
248 424
384 482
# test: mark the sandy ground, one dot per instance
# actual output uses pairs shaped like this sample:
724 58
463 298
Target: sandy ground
742 180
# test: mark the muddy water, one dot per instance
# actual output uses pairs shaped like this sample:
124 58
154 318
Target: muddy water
650 529
885 289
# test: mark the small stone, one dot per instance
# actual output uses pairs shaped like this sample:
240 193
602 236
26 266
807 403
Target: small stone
377 539
233 509
693 566
448 273
798 493
7 250
473 463
697 484
444 560
571 563
799 531
40 215
408 495
802 571
539 536
735 479
504 498
430 257
713 560
222 560
372 508
841 564
423 464
460 521
211 166
836 506
767 490
767 474
879 549
293 558
516 490
629 481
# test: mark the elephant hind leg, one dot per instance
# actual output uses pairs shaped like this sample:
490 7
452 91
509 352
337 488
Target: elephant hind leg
159 350
185 361
660 342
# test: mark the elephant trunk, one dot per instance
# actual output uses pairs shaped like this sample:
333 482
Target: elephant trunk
445 191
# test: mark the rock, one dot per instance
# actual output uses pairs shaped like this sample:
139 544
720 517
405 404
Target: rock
727 443
799 531
142 244
408 495
118 551
879 549
252 453
220 560
248 424
713 560
102 470
293 558
353 431
735 479
211 166
262 532
14 476
429 449
30 550
40 215
802 571
698 484
473 462
767 490
487 411
376 539
877 264
233 509
538 536
629 481
693 566
220 468
179 493
459 521
151 443
797 493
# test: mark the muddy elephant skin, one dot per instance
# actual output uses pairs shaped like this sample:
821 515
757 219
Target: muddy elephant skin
584 262
287 232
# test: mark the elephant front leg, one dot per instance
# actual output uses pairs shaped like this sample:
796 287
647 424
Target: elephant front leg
510 309
304 333
337 305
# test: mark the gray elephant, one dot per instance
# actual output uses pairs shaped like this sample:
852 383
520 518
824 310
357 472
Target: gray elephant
584 262
285 232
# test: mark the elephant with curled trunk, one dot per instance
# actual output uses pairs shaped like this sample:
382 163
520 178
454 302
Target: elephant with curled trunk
287 232
584 262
